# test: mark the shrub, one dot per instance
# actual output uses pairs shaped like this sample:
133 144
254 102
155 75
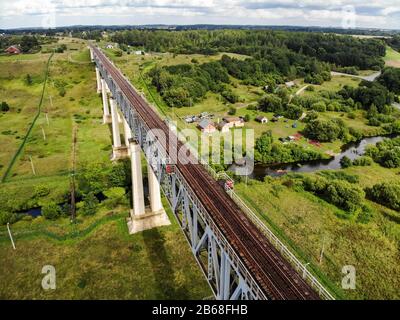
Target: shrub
8 217
363 161
51 211
89 206
338 192
386 193
346 162
4 107
319 106
232 111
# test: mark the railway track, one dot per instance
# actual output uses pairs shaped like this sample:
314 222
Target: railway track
275 276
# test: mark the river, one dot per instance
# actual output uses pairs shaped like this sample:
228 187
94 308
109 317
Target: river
351 150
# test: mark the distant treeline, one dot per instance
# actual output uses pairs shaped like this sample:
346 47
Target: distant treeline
288 47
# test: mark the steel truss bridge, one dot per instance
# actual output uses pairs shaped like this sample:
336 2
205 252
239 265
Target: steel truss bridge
237 259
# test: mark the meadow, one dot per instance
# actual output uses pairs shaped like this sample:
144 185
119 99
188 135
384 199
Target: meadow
320 235
95 257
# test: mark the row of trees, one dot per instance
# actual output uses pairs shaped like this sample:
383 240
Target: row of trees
341 193
267 151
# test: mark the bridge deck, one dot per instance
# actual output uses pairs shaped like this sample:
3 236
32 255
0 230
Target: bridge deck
275 276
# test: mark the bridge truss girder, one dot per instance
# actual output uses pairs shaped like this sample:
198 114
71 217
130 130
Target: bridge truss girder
224 271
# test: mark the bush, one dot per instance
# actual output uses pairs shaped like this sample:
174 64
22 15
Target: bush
319 106
346 162
4 107
386 193
338 192
363 161
8 217
232 111
51 211
89 206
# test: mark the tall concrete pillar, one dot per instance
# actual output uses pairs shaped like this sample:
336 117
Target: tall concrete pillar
98 80
106 111
115 124
137 182
127 133
154 191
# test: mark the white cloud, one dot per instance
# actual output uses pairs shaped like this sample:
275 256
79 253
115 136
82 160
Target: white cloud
374 13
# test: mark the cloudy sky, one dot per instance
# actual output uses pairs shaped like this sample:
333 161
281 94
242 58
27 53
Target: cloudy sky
339 13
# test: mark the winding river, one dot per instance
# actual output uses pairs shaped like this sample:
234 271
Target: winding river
351 150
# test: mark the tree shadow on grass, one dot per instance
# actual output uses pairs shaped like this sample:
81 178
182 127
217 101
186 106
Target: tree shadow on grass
167 288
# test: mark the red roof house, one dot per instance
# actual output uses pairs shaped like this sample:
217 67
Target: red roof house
13 50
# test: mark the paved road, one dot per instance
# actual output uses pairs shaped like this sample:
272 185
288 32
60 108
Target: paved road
369 78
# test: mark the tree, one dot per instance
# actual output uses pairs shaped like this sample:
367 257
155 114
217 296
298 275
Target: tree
29 43
270 103
293 111
89 206
324 130
390 78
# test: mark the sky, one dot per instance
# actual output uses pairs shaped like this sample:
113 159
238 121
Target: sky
383 14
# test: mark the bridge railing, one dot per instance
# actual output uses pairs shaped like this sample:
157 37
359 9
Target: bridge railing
279 245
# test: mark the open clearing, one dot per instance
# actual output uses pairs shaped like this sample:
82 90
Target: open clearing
392 58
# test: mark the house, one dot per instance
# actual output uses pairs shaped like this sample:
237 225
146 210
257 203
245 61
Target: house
234 121
224 127
138 52
206 126
262 119
13 50
290 84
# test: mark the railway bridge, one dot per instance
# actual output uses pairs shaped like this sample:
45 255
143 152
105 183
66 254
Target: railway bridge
237 259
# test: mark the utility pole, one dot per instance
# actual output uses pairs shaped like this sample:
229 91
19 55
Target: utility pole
9 233
44 134
72 181
33 167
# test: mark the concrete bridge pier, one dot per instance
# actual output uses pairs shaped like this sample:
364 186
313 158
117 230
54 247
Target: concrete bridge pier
119 151
142 219
98 78
127 134
106 111
91 55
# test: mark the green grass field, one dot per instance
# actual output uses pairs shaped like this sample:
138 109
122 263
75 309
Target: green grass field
105 263
95 258
308 224
392 58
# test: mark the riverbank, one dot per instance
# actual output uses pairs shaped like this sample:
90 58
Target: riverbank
351 150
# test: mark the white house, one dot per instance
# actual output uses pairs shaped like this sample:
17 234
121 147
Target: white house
262 119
